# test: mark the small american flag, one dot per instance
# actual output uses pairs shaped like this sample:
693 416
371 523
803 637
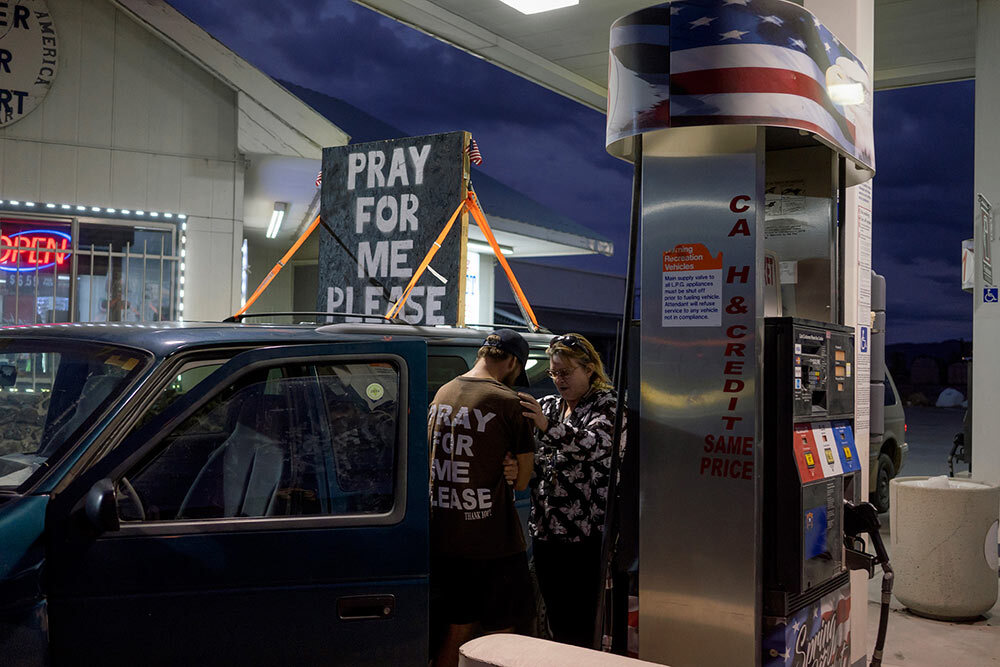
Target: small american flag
473 150
319 179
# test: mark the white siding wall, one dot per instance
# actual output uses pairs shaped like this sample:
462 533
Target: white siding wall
132 123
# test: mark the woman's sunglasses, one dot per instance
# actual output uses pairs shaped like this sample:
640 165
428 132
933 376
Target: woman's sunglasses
567 340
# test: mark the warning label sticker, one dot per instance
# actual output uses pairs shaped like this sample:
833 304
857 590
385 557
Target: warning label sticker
692 287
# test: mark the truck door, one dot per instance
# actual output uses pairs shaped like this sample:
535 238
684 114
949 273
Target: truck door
275 514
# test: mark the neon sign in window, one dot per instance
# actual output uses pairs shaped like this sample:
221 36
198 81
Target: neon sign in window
34 250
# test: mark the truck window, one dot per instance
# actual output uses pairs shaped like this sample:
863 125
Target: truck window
442 369
292 440
185 380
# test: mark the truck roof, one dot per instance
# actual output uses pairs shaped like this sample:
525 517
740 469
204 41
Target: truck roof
164 338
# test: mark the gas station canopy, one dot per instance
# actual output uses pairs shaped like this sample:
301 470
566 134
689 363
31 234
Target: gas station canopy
566 50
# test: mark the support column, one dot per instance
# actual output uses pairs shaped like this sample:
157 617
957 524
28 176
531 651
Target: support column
986 316
853 21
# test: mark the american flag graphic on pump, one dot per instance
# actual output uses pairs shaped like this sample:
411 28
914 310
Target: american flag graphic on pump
717 62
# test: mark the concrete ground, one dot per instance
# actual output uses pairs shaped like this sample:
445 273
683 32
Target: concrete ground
913 641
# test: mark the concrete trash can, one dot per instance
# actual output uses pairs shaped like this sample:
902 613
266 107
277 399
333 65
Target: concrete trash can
944 545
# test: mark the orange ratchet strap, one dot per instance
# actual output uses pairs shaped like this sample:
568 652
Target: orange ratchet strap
472 205
484 227
398 306
278 267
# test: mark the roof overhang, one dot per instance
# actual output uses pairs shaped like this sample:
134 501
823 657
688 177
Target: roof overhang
271 119
916 41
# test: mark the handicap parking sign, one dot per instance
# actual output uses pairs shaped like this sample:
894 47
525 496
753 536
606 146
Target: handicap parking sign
864 339
990 295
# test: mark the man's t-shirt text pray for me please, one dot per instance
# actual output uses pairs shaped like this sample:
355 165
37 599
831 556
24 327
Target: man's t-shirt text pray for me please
472 424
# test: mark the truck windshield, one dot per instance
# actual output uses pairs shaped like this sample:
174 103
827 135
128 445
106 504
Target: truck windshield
51 391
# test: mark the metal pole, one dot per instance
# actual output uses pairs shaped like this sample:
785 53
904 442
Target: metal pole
159 286
142 308
34 315
74 270
110 277
90 304
174 277
841 235
128 249
17 283
603 624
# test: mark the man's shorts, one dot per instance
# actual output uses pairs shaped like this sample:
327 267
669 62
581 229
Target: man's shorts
495 592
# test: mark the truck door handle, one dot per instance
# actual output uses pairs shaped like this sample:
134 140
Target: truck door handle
366 607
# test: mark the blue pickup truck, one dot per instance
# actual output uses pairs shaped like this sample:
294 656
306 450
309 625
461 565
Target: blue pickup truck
220 493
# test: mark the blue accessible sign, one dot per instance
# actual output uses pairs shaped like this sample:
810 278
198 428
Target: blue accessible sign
990 295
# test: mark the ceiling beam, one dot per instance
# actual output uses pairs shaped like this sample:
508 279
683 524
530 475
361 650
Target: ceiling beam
427 17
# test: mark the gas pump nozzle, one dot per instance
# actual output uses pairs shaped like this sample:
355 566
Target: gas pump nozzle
863 518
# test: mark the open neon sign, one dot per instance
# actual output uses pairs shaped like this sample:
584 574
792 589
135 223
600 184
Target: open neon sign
34 250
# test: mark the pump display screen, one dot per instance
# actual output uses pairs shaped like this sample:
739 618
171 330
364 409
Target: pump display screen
821 370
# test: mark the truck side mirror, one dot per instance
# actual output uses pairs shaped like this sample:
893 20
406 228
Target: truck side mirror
8 375
101 506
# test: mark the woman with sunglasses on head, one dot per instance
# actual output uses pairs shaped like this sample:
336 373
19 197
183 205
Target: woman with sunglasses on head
569 491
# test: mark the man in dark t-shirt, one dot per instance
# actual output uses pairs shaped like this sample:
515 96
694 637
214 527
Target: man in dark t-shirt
478 564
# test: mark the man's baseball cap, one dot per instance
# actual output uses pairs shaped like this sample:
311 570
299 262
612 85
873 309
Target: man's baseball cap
514 344
510 342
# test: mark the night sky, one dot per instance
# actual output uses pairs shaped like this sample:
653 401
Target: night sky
552 149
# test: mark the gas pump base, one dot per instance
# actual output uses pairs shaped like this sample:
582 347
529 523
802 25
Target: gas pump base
818 633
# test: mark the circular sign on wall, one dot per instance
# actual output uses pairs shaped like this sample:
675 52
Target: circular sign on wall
29 57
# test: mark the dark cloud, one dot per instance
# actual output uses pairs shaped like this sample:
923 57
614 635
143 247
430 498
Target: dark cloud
923 208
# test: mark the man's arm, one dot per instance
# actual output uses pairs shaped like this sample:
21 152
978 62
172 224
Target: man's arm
525 466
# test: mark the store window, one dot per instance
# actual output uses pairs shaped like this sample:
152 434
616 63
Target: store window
35 270
125 274
63 270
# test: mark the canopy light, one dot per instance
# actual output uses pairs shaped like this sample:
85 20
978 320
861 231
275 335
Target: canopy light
277 215
482 247
537 6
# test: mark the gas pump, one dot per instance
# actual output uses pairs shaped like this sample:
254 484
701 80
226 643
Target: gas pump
811 471
746 123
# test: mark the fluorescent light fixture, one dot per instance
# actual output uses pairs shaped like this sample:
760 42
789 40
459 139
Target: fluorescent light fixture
536 6
29 203
65 206
14 203
244 265
154 214
277 215
846 94
50 206
125 211
482 246
168 215
95 209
